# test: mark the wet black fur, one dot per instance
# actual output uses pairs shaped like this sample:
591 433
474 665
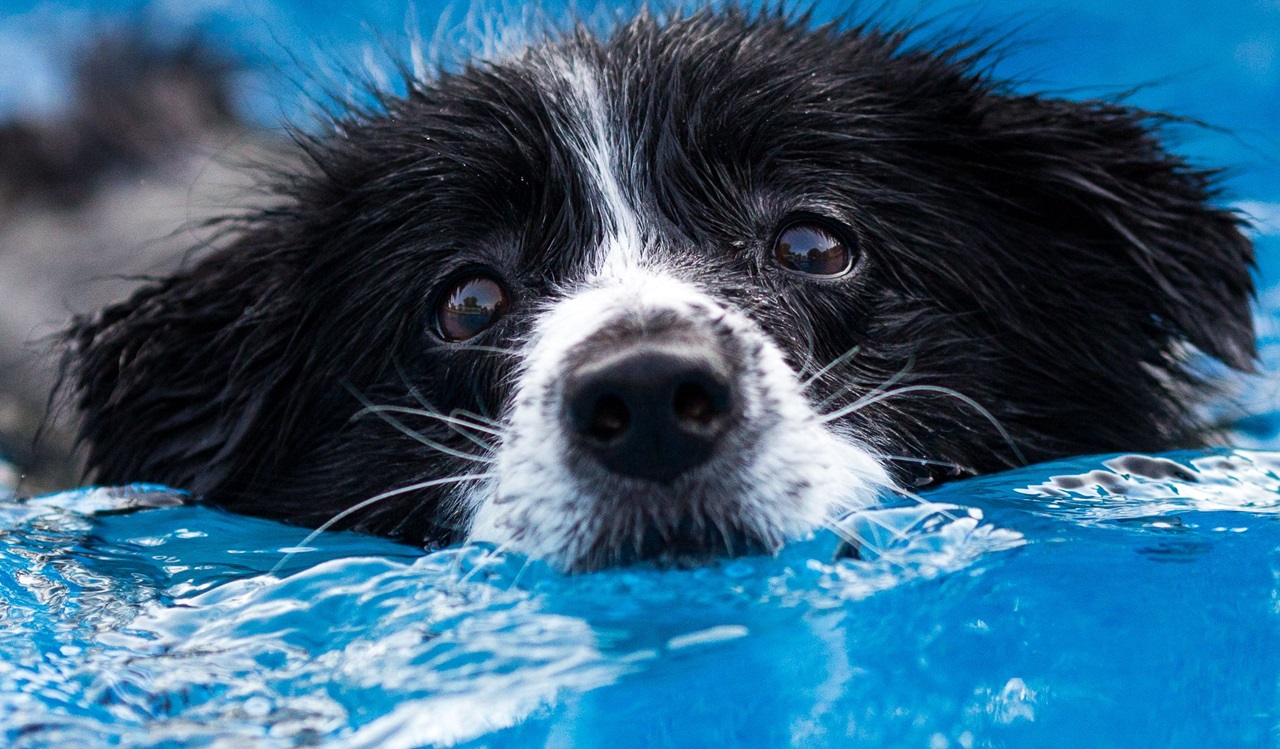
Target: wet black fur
1049 259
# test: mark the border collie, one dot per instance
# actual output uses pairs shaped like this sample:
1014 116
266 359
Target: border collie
692 287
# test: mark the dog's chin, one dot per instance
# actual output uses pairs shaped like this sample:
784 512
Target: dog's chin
687 543
713 514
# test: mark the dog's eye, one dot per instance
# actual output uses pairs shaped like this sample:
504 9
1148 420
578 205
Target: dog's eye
469 307
812 249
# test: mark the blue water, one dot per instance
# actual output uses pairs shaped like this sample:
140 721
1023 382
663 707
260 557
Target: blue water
1100 608
1005 611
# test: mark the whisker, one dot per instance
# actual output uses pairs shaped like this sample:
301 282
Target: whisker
428 414
427 441
847 535
922 461
477 441
888 383
871 399
868 514
475 417
902 535
477 347
434 412
413 390
841 359
417 436
914 497
496 551
808 357
484 408
515 579
374 500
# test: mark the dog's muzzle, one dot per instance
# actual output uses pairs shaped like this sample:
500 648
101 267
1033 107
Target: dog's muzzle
650 421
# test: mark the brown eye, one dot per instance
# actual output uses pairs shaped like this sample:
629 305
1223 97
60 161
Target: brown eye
812 249
470 306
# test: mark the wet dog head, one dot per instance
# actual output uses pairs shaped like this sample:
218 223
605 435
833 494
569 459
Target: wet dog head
688 288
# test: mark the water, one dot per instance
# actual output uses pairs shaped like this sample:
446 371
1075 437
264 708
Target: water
1011 610
1123 603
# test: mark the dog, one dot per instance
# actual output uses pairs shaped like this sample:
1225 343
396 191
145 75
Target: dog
685 289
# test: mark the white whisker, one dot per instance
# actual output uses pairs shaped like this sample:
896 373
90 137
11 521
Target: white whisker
841 359
472 415
419 437
922 461
497 550
808 357
431 411
427 414
382 413
478 442
888 383
427 406
845 534
376 499
871 399
490 349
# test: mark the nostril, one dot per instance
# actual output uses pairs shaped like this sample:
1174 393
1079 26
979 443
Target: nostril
700 405
609 420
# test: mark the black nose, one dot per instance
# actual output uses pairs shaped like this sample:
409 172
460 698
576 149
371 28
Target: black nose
650 410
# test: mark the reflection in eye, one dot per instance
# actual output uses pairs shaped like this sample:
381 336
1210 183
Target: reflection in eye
813 250
472 305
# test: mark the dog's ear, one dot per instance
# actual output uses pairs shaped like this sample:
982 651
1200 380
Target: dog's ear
173 384
1096 175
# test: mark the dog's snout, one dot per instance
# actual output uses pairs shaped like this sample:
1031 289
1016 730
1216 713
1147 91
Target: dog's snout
651 410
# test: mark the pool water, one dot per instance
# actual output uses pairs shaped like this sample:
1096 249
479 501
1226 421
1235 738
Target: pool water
1116 604
1100 601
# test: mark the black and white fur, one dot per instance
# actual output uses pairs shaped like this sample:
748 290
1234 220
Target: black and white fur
1035 277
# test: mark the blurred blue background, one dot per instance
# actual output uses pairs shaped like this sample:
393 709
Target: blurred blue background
1218 62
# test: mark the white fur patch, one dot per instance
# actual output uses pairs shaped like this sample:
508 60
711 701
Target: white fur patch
602 150
801 475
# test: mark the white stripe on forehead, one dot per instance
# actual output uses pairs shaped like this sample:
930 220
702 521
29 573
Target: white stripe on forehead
600 141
